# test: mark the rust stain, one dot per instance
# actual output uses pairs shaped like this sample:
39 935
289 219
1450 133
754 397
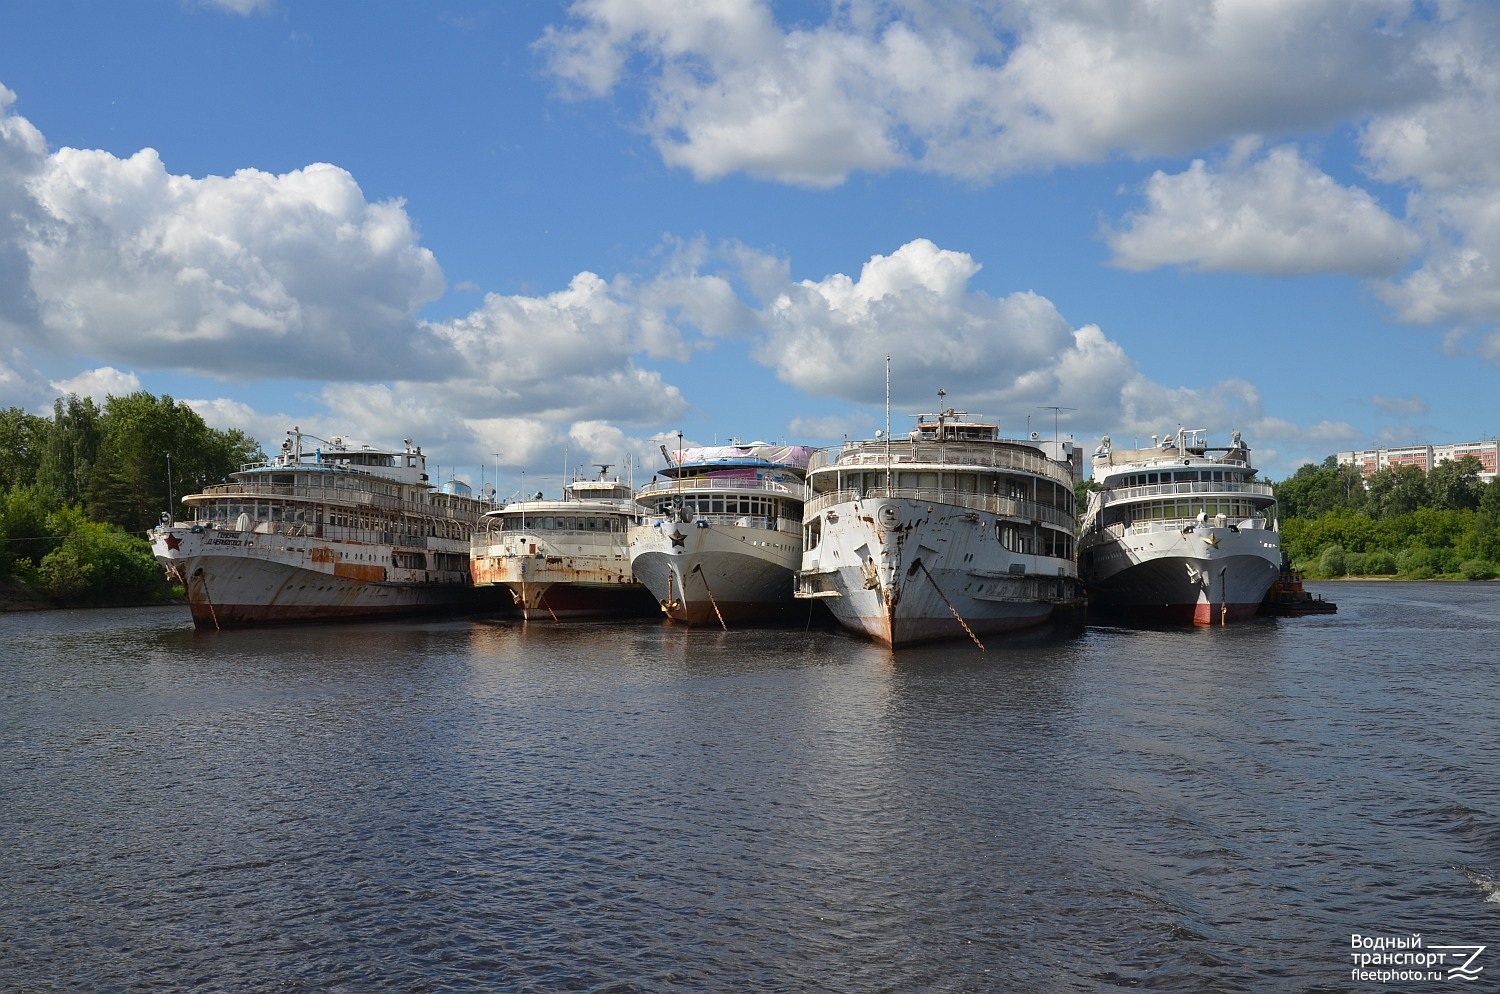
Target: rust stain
359 571
322 554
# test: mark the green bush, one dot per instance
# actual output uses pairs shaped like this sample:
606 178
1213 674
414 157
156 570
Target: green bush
100 564
1380 562
1416 564
1332 561
1477 569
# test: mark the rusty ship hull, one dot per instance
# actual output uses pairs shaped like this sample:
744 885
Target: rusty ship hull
721 537
563 559
1166 579
234 579
560 588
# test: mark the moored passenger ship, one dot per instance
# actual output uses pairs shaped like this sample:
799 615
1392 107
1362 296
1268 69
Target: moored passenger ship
722 534
951 532
324 532
1180 532
565 558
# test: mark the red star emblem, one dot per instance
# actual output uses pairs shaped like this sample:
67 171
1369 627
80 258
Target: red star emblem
677 539
173 542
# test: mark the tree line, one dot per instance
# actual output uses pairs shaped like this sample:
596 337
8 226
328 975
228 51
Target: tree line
1401 522
79 489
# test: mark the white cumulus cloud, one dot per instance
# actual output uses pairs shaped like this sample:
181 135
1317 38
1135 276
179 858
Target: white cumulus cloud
1272 213
982 91
98 384
240 276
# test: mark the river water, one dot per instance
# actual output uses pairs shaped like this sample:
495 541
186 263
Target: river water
470 805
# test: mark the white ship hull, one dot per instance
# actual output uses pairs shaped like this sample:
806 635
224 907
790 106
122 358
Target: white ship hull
1204 575
717 573
246 578
906 571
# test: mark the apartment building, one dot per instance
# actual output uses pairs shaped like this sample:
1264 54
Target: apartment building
1425 457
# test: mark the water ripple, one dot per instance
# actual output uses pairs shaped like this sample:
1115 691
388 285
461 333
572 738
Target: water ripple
455 806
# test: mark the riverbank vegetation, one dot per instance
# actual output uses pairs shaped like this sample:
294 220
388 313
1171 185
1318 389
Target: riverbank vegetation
1403 523
79 489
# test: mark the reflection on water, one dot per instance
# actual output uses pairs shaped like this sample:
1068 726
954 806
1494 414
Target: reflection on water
469 804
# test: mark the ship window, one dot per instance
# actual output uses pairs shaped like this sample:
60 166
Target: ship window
718 504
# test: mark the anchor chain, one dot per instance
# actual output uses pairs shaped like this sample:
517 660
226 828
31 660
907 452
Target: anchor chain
958 617
698 568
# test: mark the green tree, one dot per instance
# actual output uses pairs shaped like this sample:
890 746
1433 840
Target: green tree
25 534
1489 501
23 436
1416 563
1453 485
152 451
1315 490
1331 561
1397 490
71 447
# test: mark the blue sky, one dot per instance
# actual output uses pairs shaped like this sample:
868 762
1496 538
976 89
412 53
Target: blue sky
530 235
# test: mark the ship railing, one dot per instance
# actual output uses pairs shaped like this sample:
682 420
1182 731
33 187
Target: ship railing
1170 459
1204 487
710 484
1117 529
330 533
791 526
436 504
1005 507
1008 455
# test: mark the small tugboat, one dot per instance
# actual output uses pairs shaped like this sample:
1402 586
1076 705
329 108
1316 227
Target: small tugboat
1287 598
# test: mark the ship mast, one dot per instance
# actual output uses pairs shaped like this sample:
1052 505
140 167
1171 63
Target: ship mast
887 425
